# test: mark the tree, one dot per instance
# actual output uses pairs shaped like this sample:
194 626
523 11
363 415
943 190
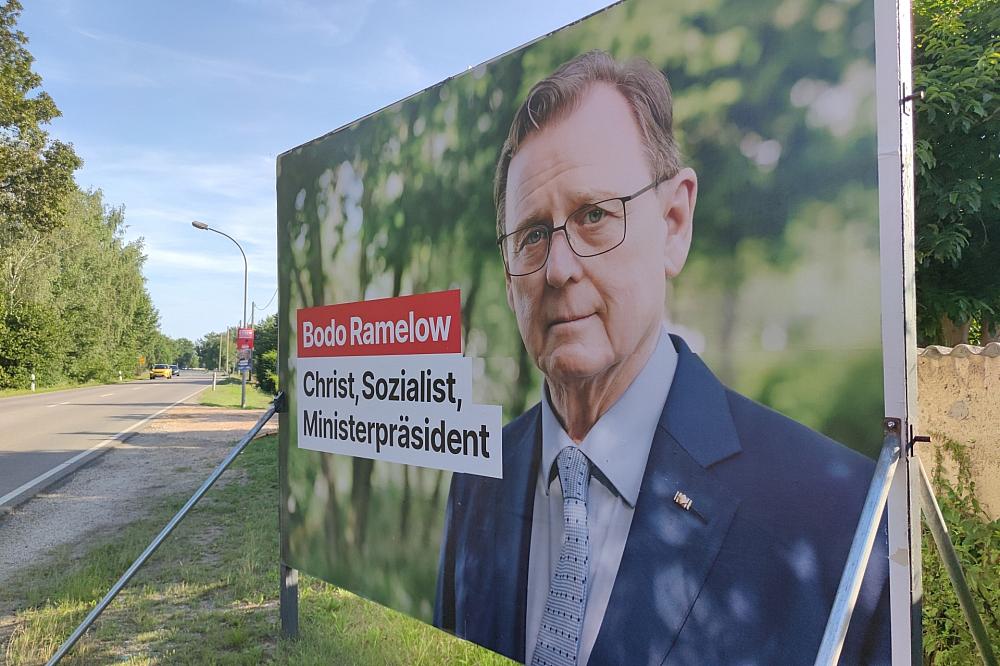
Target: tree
265 354
35 173
957 62
186 353
208 348
73 300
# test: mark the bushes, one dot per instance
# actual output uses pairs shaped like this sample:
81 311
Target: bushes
28 343
947 639
265 367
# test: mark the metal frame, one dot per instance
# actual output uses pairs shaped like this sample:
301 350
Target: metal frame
288 601
861 547
288 593
893 73
904 487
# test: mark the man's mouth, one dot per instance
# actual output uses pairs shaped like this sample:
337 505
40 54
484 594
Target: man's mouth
569 319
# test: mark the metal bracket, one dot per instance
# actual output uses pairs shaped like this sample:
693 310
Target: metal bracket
914 440
280 403
917 94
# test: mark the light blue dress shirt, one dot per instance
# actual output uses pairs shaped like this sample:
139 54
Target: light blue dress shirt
617 447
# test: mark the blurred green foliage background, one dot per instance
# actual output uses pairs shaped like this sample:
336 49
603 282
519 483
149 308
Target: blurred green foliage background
774 108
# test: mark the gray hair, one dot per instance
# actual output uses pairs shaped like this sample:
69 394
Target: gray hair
644 87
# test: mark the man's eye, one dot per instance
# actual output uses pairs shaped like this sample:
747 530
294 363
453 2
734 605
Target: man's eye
532 237
593 215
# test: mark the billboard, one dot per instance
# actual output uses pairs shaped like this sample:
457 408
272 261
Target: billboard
641 252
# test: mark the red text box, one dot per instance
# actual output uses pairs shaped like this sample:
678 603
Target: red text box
419 324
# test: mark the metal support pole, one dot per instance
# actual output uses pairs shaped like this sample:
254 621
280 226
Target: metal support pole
861 547
289 601
164 533
949 558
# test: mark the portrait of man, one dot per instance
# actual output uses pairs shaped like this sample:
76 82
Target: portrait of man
647 514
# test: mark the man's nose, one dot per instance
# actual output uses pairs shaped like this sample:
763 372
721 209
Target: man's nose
563 264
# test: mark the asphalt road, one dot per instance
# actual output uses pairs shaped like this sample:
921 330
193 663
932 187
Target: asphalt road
45 436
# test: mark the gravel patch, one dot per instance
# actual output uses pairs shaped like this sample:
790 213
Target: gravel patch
172 454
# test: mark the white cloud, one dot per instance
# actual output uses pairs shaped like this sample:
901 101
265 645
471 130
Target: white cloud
340 21
195 65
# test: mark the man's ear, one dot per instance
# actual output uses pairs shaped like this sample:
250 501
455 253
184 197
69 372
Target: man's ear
678 198
510 296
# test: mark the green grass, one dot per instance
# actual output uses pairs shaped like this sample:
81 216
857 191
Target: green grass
227 394
11 392
209 595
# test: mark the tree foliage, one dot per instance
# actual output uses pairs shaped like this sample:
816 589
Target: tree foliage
957 62
79 304
265 354
73 300
35 172
976 537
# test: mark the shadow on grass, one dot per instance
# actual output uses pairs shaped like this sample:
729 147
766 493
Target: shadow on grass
209 594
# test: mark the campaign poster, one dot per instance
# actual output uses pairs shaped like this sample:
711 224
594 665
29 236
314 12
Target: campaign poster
582 346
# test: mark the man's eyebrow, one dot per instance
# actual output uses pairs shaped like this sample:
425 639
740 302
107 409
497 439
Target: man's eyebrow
584 197
531 219
577 199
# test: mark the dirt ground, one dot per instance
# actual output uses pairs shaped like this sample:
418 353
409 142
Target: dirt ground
172 454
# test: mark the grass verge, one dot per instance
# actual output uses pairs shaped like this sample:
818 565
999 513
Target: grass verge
209 595
227 394
11 392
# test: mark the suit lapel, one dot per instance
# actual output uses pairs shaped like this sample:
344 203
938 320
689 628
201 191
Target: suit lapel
514 501
670 551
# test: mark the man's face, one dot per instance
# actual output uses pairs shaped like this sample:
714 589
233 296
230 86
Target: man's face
582 317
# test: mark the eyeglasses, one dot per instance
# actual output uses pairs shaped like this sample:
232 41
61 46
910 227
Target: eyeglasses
590 230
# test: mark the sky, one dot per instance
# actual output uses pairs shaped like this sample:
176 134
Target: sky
179 111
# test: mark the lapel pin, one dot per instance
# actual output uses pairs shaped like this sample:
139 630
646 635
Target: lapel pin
686 503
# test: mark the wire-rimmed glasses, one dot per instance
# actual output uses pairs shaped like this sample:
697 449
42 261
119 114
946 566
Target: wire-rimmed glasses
590 230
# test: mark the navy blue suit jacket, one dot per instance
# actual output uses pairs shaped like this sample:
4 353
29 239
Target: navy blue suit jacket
749 581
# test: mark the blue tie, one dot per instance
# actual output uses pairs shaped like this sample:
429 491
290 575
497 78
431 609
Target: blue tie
559 636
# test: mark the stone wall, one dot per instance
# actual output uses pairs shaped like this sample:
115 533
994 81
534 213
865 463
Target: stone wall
958 395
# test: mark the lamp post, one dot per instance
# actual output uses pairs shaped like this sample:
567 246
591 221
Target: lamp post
243 373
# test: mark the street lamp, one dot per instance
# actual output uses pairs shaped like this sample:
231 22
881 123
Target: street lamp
243 373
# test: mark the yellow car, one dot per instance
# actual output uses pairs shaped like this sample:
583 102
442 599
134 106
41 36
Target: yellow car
161 370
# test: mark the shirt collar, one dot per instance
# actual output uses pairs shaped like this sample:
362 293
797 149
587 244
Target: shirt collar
618 444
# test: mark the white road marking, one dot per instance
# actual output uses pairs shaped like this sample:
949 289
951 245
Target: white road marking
58 468
106 395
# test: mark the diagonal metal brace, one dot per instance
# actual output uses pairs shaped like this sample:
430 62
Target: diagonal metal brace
939 530
164 533
861 547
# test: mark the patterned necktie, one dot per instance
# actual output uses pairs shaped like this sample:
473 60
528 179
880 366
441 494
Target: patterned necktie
559 636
